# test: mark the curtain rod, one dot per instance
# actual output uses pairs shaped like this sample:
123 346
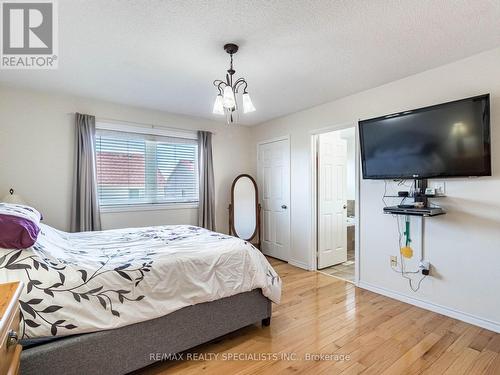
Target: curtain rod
103 119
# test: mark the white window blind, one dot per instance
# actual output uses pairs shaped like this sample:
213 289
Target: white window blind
138 169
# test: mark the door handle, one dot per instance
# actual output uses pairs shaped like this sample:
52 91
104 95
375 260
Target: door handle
284 206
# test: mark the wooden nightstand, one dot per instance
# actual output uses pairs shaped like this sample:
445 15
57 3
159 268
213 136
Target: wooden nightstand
10 350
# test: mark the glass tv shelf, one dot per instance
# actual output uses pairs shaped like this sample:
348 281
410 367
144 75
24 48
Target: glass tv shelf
425 211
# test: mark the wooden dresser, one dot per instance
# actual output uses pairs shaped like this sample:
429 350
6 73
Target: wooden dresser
10 350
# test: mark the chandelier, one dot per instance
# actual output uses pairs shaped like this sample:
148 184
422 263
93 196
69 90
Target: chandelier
225 102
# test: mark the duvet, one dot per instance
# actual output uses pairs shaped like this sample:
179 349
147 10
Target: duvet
91 281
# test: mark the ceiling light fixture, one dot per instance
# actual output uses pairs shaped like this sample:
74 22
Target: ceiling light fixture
225 102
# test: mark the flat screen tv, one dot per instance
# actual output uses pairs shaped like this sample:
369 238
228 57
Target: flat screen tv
445 140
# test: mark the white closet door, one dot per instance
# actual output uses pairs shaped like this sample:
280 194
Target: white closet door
274 192
332 200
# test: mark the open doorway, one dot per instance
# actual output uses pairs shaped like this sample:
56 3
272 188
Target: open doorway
336 192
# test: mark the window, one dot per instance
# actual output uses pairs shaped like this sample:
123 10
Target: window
138 169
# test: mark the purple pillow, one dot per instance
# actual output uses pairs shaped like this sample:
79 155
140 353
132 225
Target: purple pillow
17 232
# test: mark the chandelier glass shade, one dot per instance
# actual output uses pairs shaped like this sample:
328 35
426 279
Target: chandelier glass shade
218 106
226 100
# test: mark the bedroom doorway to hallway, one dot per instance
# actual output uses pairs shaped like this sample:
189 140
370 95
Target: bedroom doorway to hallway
335 187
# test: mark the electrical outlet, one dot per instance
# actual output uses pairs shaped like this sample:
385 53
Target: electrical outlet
394 261
424 267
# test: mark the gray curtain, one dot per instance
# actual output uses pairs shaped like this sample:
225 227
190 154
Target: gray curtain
85 206
206 210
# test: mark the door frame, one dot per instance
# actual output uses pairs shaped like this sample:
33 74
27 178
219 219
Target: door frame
272 140
314 195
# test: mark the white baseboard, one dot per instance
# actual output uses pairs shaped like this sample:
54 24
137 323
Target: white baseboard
460 315
299 264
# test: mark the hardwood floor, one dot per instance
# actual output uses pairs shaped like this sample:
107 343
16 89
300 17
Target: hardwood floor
343 270
320 314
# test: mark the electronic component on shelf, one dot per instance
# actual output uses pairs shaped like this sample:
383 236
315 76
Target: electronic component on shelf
430 192
425 211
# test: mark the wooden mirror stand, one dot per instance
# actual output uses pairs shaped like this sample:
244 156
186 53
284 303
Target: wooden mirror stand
244 210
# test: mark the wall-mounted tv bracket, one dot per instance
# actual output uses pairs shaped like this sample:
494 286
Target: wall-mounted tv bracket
420 186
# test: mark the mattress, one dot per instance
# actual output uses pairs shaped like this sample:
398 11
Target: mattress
93 281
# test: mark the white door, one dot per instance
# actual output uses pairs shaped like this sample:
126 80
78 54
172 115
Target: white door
332 200
274 194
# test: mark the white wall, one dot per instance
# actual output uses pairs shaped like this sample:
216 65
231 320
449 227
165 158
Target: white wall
462 246
37 149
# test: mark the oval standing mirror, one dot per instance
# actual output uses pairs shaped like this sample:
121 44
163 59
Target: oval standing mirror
244 215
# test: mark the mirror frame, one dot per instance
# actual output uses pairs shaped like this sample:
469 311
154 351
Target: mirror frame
232 230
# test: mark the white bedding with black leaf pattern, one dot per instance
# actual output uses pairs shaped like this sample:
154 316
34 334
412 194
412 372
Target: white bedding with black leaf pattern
92 281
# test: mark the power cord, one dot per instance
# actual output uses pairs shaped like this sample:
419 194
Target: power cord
385 194
402 270
400 243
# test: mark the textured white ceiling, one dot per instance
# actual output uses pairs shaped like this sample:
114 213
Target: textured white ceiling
294 53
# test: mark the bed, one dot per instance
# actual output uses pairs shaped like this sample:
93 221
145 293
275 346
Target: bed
112 299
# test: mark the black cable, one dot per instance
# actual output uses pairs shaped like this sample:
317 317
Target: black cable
385 193
400 237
